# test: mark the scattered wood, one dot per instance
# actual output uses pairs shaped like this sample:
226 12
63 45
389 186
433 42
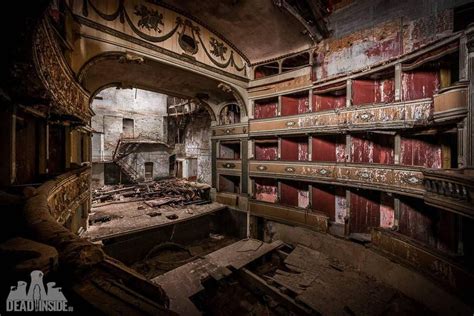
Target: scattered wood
175 192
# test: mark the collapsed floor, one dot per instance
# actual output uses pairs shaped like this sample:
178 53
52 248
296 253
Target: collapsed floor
250 277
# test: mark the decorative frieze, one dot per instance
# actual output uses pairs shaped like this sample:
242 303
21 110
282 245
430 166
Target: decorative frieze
290 215
68 192
400 179
226 166
372 117
230 131
67 95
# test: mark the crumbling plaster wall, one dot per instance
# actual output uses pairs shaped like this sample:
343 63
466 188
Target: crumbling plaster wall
147 110
362 36
197 144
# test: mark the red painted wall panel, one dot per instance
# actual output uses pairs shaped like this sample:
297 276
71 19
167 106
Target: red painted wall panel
324 200
434 227
373 91
373 148
265 109
419 84
328 148
294 193
294 149
266 190
292 105
421 151
323 102
365 211
229 184
266 151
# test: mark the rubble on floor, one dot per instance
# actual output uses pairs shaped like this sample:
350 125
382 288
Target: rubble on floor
170 255
251 277
156 193
124 208
107 220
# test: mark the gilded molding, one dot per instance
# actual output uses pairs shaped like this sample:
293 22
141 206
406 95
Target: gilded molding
69 193
399 179
68 97
151 19
372 117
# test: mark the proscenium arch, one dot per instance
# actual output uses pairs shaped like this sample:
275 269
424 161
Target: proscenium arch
131 70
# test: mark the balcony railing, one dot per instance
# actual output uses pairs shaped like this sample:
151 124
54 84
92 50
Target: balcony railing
370 117
451 103
407 180
451 189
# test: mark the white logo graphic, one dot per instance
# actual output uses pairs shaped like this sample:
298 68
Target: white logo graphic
36 299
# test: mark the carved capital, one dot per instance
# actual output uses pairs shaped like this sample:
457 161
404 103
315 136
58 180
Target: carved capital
470 38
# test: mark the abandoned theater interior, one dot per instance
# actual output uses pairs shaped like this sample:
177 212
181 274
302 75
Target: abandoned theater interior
237 157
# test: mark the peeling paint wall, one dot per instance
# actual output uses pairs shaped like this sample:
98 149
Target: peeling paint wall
197 144
266 150
421 151
372 148
147 110
266 190
434 227
373 91
341 206
363 37
266 108
292 105
419 84
294 149
324 200
365 210
323 102
329 148
294 193
387 211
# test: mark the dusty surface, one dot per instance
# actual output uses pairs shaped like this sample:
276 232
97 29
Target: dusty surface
182 283
168 256
129 216
331 288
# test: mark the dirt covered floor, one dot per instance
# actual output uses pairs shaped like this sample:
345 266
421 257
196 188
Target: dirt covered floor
125 217
328 287
121 209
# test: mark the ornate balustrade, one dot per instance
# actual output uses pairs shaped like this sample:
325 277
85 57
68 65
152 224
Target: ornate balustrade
67 95
406 180
452 190
91 272
372 117
67 192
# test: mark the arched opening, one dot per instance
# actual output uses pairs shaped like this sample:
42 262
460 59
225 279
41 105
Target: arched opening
230 114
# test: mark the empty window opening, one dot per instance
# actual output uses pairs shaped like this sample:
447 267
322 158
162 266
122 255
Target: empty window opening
148 171
266 70
295 62
127 131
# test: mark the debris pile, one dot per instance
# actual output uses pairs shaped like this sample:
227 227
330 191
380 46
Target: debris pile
173 192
